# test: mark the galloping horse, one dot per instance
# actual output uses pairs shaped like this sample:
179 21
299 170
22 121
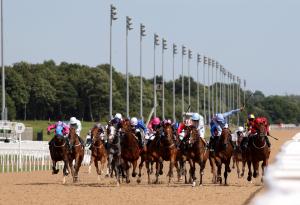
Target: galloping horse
59 151
114 152
259 151
98 151
76 154
223 153
197 152
238 156
162 148
130 148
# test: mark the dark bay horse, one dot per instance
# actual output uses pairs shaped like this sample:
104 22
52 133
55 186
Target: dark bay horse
238 156
162 148
114 152
258 151
98 151
59 151
130 151
76 154
197 152
222 155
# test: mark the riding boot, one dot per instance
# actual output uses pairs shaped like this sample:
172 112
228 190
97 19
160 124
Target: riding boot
68 144
81 141
268 141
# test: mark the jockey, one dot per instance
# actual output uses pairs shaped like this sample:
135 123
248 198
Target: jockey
154 125
239 133
76 124
140 130
250 123
60 129
182 127
116 121
219 122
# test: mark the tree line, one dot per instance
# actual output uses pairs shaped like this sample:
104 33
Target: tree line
49 91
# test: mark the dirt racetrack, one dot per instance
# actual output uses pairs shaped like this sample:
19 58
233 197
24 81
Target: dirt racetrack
41 187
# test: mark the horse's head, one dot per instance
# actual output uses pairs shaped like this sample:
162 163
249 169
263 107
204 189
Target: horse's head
72 135
168 133
96 134
126 125
225 137
111 132
59 139
193 134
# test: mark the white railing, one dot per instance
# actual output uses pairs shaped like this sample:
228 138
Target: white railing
282 178
33 156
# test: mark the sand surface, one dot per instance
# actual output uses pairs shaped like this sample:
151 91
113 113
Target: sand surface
41 187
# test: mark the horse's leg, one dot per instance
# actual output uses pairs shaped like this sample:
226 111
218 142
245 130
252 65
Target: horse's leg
243 168
172 162
65 173
157 170
97 168
134 165
255 169
219 169
234 160
263 166
54 170
110 168
238 167
202 167
249 178
140 170
226 172
72 168
213 170
90 165
178 170
151 171
192 172
148 170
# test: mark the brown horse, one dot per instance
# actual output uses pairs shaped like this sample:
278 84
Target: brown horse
59 151
258 151
197 152
222 155
130 151
76 154
162 148
98 151
239 156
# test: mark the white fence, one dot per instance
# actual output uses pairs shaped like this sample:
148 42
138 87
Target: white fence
282 178
34 156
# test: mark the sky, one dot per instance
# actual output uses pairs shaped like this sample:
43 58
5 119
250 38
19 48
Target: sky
257 40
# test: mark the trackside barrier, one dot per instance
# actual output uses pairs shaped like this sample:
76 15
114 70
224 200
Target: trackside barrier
34 156
282 178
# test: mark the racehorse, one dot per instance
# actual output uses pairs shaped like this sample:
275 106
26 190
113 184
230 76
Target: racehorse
114 152
130 151
59 151
259 151
77 153
197 152
162 148
98 151
238 156
222 155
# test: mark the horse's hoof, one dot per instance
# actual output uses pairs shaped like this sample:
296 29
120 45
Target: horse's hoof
138 180
194 184
161 172
134 174
55 171
128 181
255 175
242 174
249 178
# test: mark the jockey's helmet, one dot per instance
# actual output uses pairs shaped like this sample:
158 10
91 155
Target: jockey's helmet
195 117
134 121
156 121
251 116
118 115
73 121
240 129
